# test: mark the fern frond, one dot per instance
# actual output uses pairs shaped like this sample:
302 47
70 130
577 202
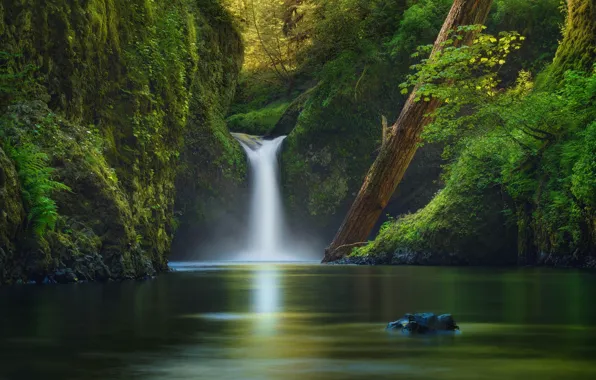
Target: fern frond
35 175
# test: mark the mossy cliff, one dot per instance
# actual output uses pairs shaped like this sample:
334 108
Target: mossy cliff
12 213
126 100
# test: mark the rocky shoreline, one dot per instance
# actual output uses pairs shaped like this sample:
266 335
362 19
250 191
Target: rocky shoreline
79 276
407 257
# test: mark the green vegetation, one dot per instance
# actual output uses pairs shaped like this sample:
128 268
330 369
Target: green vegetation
359 52
260 121
115 120
31 163
357 56
15 83
517 146
114 100
38 186
522 170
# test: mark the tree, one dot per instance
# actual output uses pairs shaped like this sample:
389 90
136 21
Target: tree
275 32
402 141
578 48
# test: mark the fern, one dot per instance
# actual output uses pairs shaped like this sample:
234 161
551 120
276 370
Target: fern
35 175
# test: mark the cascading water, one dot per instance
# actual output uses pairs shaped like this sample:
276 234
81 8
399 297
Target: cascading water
266 212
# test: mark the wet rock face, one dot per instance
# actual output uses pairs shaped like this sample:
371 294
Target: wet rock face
139 164
253 142
96 229
12 215
424 323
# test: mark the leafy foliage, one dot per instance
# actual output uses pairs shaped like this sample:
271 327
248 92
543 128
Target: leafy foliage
275 34
469 71
539 21
465 218
528 152
35 173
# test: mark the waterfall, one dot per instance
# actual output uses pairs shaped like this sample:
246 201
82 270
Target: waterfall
266 213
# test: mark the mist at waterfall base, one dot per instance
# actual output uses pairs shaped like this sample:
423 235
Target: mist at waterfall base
255 230
266 224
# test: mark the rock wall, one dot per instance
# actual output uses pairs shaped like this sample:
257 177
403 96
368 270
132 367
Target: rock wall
12 214
124 97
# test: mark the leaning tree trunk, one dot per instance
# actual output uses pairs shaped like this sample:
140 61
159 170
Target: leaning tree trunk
397 152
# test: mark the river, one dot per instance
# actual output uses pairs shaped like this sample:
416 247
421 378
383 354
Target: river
302 321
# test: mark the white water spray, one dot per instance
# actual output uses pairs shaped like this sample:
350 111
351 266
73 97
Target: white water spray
266 213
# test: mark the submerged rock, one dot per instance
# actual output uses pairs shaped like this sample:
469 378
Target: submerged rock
424 323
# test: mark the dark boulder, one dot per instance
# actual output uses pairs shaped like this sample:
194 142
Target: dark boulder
65 276
424 323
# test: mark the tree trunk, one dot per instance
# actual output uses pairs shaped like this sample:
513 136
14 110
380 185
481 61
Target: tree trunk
578 48
401 145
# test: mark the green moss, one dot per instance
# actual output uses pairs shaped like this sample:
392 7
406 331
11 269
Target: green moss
326 155
144 86
578 48
260 121
12 218
466 218
256 90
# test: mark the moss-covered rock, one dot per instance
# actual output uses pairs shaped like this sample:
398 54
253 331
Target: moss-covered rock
286 123
463 224
258 122
212 171
96 216
12 215
324 159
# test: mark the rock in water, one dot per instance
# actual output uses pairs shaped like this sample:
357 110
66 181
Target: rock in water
424 323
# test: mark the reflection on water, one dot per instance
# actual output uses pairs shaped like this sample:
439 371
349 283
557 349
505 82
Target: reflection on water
266 299
302 322
266 291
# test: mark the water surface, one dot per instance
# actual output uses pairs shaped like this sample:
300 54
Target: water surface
299 321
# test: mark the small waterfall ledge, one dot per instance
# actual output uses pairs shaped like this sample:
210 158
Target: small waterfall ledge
267 224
